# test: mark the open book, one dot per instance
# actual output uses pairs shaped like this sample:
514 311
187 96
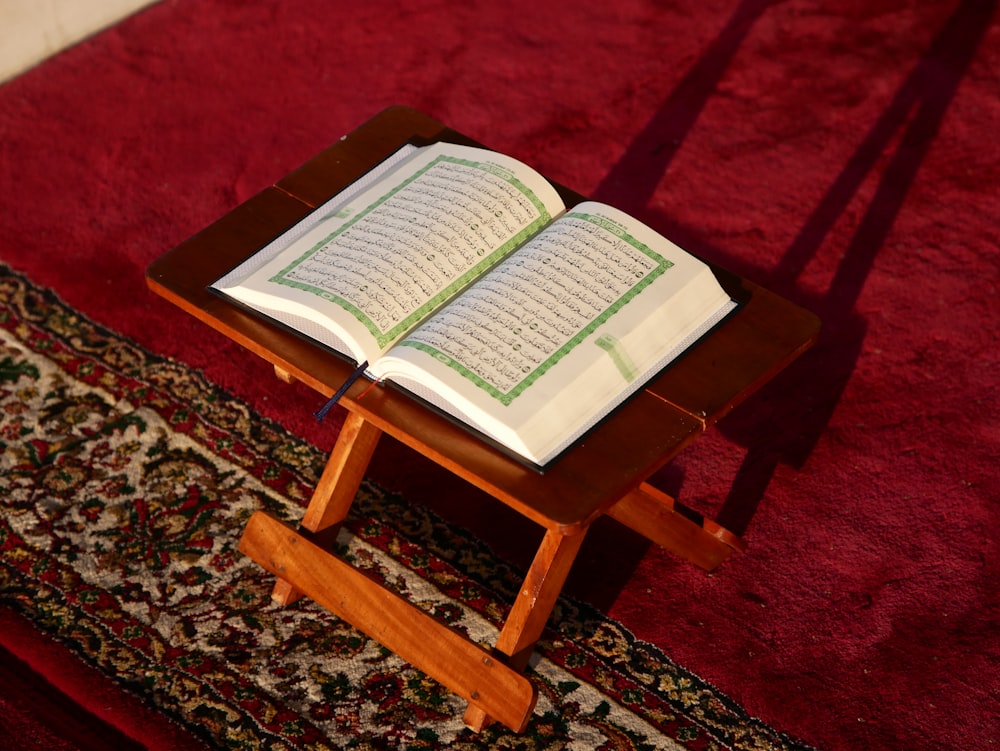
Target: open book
458 274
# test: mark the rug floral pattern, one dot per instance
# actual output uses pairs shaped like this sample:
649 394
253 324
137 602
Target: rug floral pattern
125 482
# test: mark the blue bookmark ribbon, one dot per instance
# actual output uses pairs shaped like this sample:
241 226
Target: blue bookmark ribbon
360 371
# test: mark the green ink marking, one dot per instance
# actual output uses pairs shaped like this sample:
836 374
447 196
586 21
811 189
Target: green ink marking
619 356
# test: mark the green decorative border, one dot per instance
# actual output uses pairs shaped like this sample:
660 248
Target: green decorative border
662 264
386 337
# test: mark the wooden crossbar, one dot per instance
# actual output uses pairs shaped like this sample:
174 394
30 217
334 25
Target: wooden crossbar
465 668
658 517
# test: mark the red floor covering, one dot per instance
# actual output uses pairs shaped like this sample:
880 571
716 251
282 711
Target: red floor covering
843 154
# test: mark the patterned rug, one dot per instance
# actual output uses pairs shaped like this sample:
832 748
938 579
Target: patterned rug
125 482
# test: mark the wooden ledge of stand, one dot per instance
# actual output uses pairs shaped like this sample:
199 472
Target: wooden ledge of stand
477 675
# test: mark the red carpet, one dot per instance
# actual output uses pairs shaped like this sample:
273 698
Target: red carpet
842 154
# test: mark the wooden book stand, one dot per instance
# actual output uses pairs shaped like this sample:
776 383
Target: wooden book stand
605 474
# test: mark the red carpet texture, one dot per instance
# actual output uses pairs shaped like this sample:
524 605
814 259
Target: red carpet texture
843 154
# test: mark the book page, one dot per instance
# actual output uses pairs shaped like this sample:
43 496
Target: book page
511 327
562 329
405 246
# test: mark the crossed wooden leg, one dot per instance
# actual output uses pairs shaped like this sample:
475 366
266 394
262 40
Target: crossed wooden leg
490 680
531 610
337 488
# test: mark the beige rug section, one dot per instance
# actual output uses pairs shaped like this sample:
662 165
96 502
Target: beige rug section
33 30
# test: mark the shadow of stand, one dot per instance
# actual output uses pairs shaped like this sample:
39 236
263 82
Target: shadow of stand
803 399
913 117
633 180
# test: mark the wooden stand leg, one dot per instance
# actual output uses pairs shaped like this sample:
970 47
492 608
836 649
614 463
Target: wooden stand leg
494 688
337 488
658 517
531 610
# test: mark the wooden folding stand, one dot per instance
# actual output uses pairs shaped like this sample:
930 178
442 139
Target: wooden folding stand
605 474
